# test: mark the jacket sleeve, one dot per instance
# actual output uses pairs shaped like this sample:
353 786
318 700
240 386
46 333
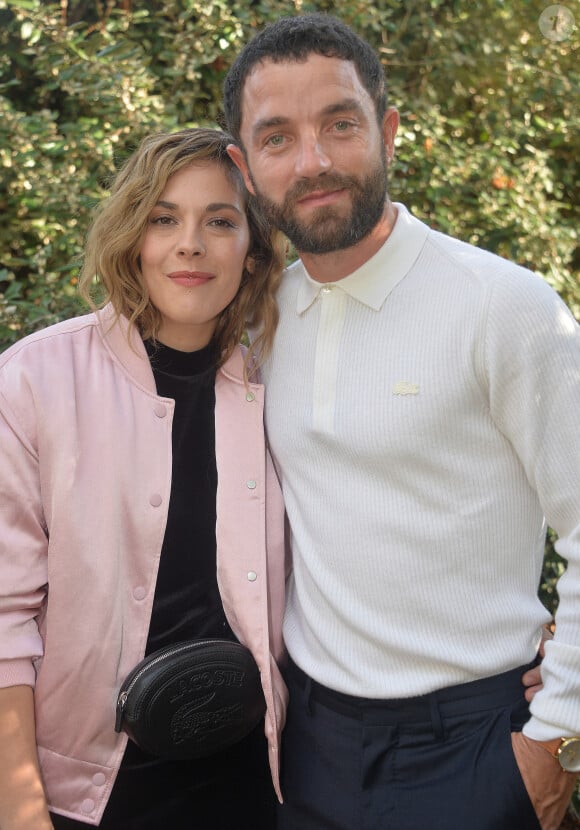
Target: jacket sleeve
23 544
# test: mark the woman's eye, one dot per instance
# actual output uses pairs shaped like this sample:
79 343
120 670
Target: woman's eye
222 223
162 220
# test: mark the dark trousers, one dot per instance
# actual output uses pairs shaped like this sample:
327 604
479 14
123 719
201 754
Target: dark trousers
438 762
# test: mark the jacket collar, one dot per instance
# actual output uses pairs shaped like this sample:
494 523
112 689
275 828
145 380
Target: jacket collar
233 369
126 346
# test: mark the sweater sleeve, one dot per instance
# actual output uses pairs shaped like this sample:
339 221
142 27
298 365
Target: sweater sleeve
533 367
23 543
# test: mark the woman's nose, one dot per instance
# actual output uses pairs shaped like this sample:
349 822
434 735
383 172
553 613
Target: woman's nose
190 245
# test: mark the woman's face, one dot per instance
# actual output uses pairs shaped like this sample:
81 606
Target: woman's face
193 253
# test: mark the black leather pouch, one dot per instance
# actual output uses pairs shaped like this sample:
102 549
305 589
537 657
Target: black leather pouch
192 699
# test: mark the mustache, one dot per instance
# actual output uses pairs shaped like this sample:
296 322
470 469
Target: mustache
324 184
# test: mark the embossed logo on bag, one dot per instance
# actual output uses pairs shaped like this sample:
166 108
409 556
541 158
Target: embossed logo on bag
208 679
188 721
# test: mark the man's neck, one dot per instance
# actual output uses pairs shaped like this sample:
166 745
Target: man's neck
339 264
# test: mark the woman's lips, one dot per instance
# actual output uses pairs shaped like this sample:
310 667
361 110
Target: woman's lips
189 279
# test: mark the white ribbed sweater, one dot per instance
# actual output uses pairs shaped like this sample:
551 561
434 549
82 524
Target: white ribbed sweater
424 414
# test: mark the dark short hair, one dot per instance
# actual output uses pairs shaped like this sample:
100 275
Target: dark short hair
294 39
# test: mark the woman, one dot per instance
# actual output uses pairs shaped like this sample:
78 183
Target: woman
121 431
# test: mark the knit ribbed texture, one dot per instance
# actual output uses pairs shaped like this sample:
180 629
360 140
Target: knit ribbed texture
421 441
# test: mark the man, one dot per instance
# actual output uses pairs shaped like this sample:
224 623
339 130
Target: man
422 408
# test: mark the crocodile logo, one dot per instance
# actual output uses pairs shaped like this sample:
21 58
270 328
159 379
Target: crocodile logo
188 721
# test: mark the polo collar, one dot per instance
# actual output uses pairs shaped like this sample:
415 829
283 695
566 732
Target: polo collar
372 283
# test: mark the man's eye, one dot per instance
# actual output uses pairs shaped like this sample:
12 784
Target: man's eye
342 126
275 140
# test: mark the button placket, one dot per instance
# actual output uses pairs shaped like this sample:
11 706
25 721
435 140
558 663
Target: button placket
326 362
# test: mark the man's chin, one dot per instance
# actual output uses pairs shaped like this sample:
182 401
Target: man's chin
309 243
322 235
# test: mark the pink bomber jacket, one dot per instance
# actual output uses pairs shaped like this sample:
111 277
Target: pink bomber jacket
85 477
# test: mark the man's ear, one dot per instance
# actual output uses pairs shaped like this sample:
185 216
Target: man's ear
239 160
389 131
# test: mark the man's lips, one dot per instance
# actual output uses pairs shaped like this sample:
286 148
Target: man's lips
317 198
190 279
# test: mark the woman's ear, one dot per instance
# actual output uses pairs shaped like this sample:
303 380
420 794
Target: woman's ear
250 264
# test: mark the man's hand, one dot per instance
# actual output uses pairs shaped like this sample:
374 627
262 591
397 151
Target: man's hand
548 786
532 679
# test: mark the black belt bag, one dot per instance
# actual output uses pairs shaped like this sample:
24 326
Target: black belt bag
192 699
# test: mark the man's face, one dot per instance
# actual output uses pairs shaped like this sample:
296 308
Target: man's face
315 155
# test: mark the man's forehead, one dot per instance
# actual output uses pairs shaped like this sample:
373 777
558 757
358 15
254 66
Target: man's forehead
277 85
291 65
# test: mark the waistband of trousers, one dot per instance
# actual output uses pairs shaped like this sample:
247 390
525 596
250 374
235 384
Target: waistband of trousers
477 695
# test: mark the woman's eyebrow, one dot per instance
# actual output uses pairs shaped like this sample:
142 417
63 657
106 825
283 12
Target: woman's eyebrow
211 208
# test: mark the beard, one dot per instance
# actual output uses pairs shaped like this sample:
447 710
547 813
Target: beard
329 229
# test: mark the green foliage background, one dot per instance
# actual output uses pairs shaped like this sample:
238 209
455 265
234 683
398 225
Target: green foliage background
487 149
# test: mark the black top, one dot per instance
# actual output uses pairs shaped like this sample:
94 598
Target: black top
187 603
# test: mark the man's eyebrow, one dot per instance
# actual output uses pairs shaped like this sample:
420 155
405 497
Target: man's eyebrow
345 105
267 123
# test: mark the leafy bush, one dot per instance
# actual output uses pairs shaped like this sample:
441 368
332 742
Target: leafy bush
485 150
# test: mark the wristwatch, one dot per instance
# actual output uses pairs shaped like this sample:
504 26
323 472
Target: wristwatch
567 751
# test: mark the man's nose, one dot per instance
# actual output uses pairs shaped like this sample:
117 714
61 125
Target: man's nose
312 158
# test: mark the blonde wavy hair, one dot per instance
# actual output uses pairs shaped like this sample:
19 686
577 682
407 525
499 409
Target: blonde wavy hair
111 258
